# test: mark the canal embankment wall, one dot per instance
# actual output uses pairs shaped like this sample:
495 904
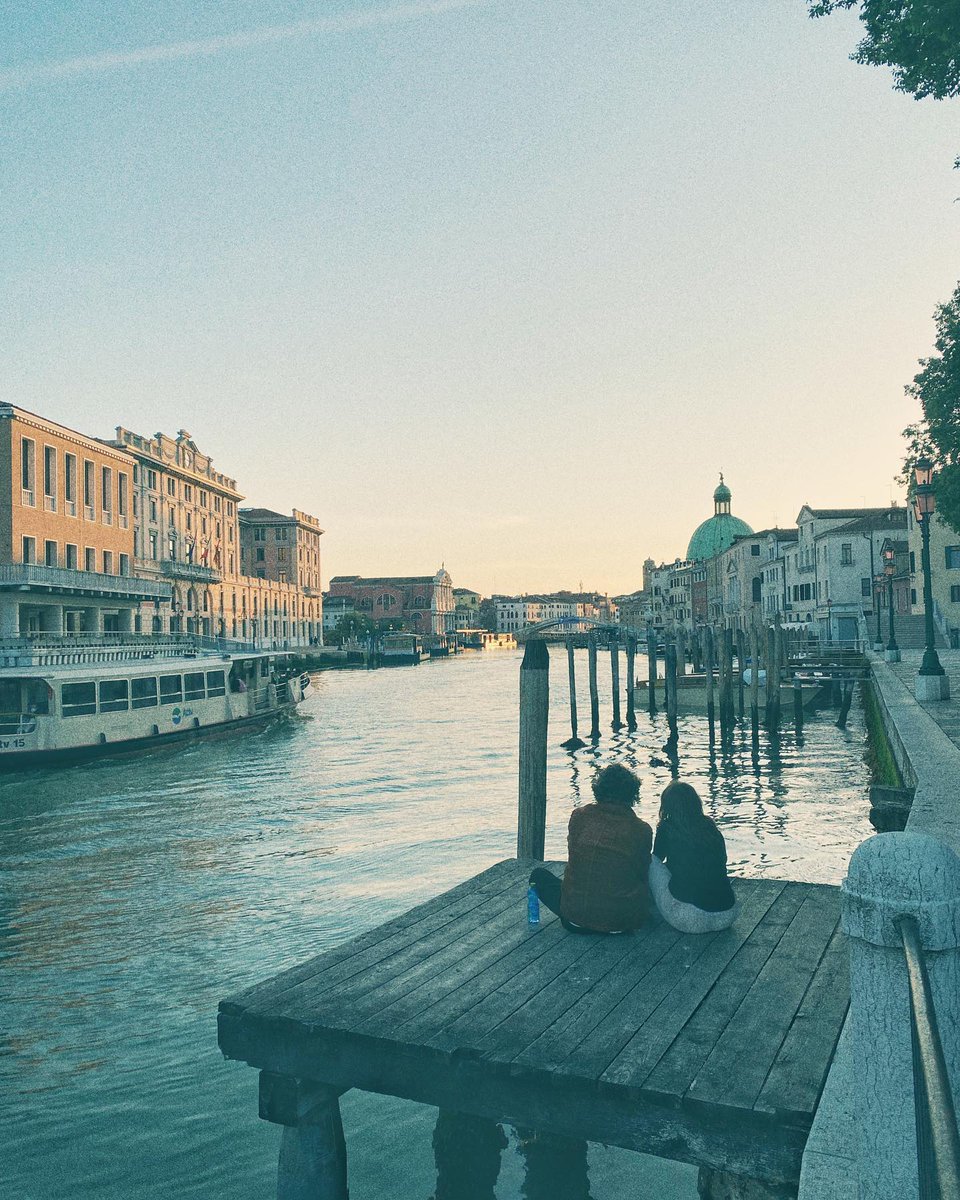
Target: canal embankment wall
929 761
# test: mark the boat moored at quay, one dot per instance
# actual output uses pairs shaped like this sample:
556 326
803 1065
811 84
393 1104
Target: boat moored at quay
72 696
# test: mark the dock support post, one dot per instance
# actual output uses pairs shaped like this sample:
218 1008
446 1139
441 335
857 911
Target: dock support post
708 668
555 1166
797 705
681 650
773 682
594 695
727 706
845 704
755 686
534 711
615 681
741 663
651 672
631 681
898 885
670 667
313 1156
573 742
466 1150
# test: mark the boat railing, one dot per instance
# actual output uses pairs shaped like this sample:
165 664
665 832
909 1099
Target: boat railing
69 649
15 724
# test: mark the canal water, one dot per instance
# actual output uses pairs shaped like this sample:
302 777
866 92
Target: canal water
137 892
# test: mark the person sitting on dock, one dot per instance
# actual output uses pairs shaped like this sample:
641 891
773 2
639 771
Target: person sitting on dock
688 871
604 888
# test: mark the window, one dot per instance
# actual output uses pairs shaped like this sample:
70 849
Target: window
203 499
189 520
108 562
123 484
171 487
188 493
229 508
50 478
171 517
261 554
913 595
70 483
216 685
172 549
261 573
259 534
757 584
952 555
955 593
846 554
73 554
28 468
153 511
89 559
281 554
193 686
865 589
89 497
78 699
113 695
913 563
755 549
29 550
216 504
153 544
51 555
171 691
124 564
152 479
144 692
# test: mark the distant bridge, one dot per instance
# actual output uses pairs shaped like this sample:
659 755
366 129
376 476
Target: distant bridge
575 624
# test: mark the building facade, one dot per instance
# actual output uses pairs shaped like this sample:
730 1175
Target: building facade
423 604
67 532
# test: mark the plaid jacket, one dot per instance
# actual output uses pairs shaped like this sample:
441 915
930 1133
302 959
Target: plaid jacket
608 862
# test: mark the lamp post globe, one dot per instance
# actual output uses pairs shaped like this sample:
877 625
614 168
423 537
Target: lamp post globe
931 682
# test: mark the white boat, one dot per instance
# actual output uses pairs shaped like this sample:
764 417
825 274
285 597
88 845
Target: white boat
71 696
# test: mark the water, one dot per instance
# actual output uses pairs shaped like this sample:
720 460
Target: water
136 893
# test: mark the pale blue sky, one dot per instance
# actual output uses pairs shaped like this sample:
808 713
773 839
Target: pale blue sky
503 284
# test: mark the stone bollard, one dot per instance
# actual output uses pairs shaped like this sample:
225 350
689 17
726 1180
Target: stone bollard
890 876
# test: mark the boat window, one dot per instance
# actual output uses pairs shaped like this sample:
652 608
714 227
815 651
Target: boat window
144 692
37 696
78 699
170 689
114 695
264 668
216 685
193 686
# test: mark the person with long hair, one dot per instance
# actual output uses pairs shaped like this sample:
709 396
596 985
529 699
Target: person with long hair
604 887
688 871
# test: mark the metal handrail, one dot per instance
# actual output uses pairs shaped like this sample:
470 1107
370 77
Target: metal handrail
938 1140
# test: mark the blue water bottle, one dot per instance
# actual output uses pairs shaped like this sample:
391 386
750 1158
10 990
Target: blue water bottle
533 906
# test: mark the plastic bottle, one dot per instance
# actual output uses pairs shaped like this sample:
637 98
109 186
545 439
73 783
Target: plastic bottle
533 906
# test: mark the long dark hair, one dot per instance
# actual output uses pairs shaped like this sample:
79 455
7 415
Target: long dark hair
681 809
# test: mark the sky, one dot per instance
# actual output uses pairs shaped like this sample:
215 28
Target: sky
502 284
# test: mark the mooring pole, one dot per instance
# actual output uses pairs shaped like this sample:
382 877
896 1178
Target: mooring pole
615 680
773 682
708 668
755 684
651 671
631 681
728 679
741 664
594 695
534 712
845 704
670 668
573 742
681 650
797 704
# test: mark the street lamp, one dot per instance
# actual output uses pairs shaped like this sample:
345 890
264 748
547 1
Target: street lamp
931 682
878 585
892 652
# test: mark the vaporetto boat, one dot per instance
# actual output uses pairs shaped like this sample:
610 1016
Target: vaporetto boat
70 696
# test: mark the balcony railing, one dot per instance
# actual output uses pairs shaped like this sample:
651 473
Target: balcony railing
192 571
61 579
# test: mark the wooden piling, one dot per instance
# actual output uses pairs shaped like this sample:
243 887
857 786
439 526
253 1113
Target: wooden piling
615 681
755 684
681 639
594 694
651 671
741 663
534 712
845 704
797 704
670 670
773 681
708 668
631 681
573 742
727 706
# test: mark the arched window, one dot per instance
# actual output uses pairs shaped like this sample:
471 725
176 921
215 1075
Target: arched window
386 601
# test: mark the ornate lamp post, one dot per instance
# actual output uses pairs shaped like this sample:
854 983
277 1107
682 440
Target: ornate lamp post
892 652
931 682
878 585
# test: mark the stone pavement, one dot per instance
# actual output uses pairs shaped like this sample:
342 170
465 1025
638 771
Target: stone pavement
946 713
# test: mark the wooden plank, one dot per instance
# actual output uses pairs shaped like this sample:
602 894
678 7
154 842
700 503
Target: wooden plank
655 1035
376 943
672 1076
514 982
796 1078
737 1066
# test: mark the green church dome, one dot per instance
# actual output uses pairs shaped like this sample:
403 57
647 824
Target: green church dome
718 532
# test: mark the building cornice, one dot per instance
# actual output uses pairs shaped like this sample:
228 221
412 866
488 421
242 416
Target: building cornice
10 412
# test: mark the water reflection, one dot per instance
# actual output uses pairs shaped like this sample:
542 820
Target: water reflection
138 892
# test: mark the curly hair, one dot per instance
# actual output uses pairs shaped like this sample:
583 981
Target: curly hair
616 784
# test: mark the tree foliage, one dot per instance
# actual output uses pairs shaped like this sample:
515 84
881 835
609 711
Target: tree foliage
352 625
919 39
937 388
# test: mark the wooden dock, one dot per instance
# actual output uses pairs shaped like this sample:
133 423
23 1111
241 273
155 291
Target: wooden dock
709 1048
